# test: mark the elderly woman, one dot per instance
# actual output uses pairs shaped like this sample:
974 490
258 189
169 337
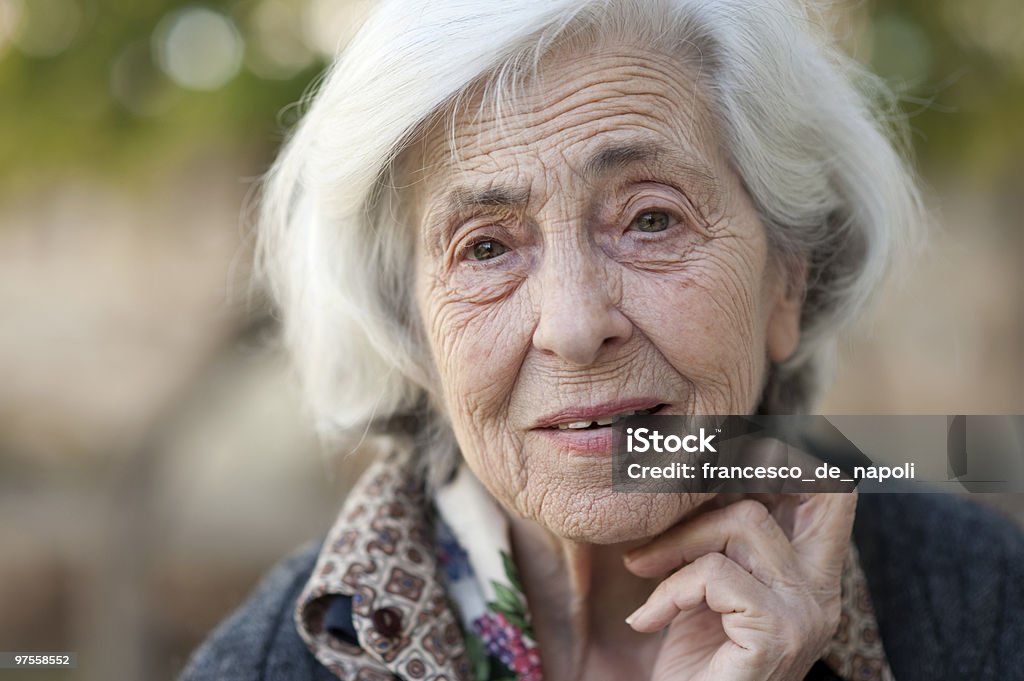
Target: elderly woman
502 226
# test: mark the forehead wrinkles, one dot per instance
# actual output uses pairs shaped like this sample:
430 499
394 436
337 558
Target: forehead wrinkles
571 100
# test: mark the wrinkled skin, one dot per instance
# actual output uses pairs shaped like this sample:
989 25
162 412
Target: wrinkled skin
597 245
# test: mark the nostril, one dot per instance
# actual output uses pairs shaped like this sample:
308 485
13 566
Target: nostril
578 332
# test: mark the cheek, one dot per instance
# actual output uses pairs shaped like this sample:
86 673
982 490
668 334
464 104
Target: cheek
708 324
478 346
478 350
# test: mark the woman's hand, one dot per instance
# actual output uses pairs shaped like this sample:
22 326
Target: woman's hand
755 593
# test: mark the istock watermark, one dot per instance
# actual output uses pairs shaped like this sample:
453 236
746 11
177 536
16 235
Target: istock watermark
655 453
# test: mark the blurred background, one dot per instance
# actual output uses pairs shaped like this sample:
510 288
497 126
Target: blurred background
153 460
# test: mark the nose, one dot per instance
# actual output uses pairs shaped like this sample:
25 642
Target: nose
579 312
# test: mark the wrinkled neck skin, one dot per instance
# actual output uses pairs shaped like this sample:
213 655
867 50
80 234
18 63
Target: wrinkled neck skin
579 597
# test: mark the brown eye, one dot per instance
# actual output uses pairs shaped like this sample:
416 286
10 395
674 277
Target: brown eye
651 222
487 249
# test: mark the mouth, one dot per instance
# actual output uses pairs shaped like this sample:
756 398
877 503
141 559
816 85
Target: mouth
604 420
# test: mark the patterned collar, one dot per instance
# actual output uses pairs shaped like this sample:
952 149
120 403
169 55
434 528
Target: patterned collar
381 553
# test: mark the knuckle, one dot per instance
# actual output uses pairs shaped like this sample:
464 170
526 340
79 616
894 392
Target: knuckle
712 562
750 512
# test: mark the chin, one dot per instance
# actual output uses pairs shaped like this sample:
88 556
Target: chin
615 517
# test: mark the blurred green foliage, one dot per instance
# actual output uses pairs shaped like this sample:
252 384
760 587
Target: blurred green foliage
82 83
104 103
959 68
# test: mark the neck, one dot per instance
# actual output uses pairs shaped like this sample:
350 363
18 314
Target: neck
579 596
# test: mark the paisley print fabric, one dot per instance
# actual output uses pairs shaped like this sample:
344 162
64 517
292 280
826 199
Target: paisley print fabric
435 595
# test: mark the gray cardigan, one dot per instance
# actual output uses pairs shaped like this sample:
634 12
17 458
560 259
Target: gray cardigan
946 578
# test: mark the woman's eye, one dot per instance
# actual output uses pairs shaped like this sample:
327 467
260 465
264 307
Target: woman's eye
654 221
487 249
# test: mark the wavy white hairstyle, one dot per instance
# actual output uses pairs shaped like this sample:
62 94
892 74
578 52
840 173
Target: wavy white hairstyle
810 134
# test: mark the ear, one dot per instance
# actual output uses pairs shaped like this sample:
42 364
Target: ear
783 331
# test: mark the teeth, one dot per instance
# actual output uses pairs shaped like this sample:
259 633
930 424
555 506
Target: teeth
607 421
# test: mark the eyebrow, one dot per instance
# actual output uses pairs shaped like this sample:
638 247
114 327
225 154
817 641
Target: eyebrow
611 157
496 196
618 156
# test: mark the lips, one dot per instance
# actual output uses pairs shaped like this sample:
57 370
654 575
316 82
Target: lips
600 415
586 431
606 421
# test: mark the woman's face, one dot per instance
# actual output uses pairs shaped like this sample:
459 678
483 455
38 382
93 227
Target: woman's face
591 255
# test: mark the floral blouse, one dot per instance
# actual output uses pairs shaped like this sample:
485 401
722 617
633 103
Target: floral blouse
418 588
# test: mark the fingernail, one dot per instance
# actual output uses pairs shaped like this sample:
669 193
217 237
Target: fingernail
636 613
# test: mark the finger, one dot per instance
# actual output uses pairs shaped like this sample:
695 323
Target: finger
769 453
744 531
712 580
782 507
822 526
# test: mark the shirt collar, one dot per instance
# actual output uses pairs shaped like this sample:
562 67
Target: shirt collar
380 553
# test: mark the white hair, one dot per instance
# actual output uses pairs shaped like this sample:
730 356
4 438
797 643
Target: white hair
810 135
